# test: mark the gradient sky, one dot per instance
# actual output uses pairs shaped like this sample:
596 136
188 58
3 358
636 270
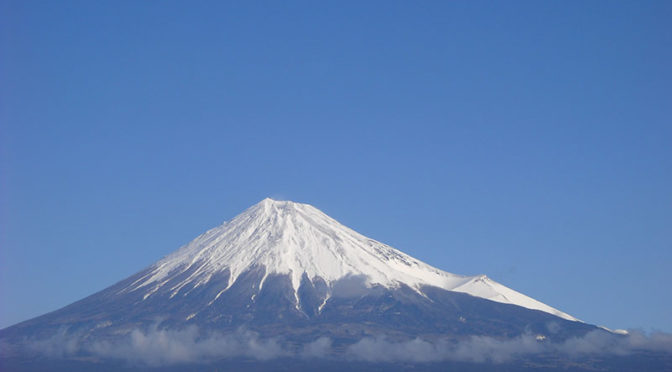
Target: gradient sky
530 141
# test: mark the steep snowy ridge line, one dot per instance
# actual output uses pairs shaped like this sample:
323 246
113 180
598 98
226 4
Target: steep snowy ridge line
292 239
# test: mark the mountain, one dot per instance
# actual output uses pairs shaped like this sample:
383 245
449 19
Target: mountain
288 277
293 239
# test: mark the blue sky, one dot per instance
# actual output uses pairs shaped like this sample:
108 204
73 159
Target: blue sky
530 141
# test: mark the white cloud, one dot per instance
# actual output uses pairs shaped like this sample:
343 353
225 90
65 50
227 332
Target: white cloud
156 347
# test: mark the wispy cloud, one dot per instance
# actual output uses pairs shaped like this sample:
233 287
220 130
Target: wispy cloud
156 347
489 349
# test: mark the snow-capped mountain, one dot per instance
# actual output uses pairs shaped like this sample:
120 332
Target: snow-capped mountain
288 273
297 239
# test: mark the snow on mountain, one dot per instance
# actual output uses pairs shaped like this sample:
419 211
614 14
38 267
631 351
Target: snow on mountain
296 239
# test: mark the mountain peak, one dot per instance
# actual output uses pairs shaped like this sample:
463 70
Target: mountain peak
299 240
271 202
279 209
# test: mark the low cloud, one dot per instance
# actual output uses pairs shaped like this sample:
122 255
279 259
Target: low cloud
157 347
488 349
474 349
320 348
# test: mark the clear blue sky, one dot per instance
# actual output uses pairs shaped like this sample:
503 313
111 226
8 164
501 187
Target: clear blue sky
530 141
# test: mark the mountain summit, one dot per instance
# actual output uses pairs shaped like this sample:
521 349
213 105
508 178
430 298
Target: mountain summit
295 239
